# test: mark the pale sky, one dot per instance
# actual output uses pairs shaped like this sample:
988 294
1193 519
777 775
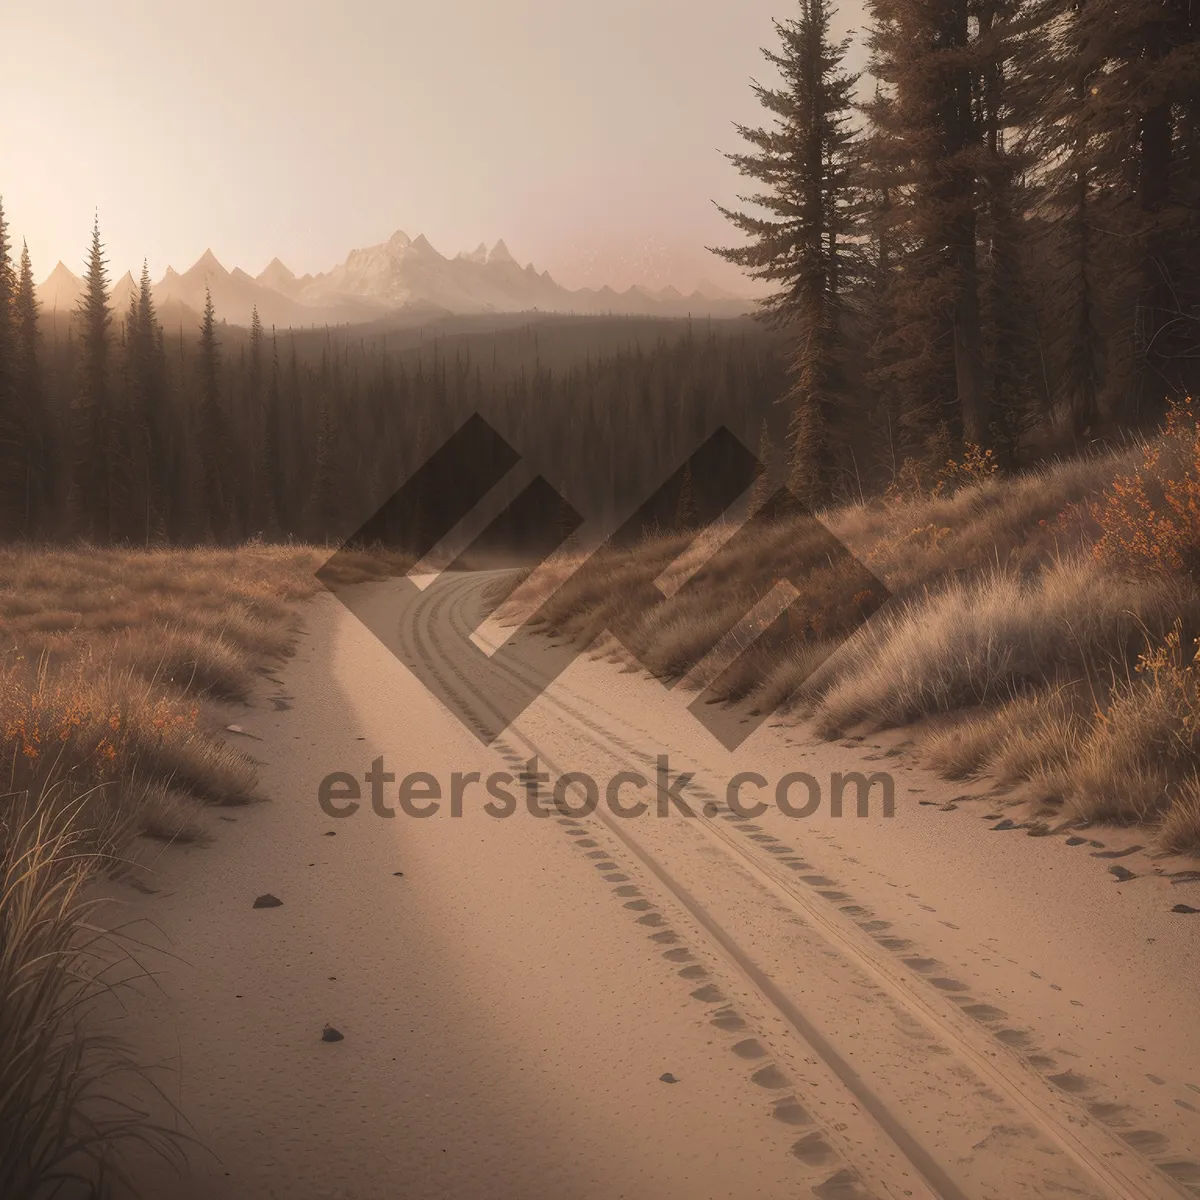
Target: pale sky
587 135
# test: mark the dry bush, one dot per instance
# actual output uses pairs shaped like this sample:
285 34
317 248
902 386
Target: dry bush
1138 762
1150 518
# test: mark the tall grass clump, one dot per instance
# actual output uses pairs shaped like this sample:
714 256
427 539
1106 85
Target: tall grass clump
69 1114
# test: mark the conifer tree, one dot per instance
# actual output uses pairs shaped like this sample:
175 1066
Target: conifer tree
763 485
95 459
685 508
34 425
147 375
1121 122
272 465
11 519
941 65
804 163
213 442
325 512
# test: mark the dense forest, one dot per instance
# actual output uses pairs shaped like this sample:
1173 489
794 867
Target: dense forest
1000 248
117 429
997 254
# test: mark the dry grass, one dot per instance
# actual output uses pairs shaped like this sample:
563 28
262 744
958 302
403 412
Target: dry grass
107 659
1021 612
986 640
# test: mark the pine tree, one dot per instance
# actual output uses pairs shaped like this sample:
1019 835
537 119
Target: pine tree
35 428
685 508
761 489
1011 35
94 492
272 462
927 144
251 506
805 163
326 497
213 446
11 512
148 400
1124 122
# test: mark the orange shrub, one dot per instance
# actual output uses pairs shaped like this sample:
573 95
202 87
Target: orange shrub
1150 519
66 721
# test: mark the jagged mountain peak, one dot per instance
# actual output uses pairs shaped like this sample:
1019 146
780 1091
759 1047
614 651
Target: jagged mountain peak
401 273
206 264
499 253
61 271
421 244
276 271
60 289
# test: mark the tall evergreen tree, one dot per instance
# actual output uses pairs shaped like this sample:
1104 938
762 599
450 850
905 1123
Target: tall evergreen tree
272 464
764 481
95 459
927 142
1124 124
11 516
253 504
148 399
35 426
804 163
212 445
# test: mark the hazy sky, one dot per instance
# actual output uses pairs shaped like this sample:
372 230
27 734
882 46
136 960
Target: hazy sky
587 135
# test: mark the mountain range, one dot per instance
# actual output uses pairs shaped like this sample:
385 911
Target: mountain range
398 274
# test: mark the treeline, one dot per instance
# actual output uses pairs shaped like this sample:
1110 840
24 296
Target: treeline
115 429
1000 247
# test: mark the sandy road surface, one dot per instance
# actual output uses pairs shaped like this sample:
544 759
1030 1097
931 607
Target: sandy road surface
843 1008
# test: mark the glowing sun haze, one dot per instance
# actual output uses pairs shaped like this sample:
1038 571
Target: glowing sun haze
588 136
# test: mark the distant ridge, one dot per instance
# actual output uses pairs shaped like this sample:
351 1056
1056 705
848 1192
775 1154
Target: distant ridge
401 273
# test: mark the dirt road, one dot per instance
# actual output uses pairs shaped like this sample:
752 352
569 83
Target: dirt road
921 1005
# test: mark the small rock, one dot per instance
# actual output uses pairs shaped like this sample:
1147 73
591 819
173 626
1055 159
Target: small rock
1076 841
397 873
266 900
1122 873
667 1077
330 833
1185 908
329 1034
1005 824
243 732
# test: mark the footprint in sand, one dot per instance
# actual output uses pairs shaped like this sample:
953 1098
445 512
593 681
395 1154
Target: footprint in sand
812 1150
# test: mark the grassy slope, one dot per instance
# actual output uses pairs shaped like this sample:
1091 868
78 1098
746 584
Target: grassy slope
1024 652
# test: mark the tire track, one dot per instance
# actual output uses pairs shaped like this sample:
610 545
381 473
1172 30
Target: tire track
1091 1152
